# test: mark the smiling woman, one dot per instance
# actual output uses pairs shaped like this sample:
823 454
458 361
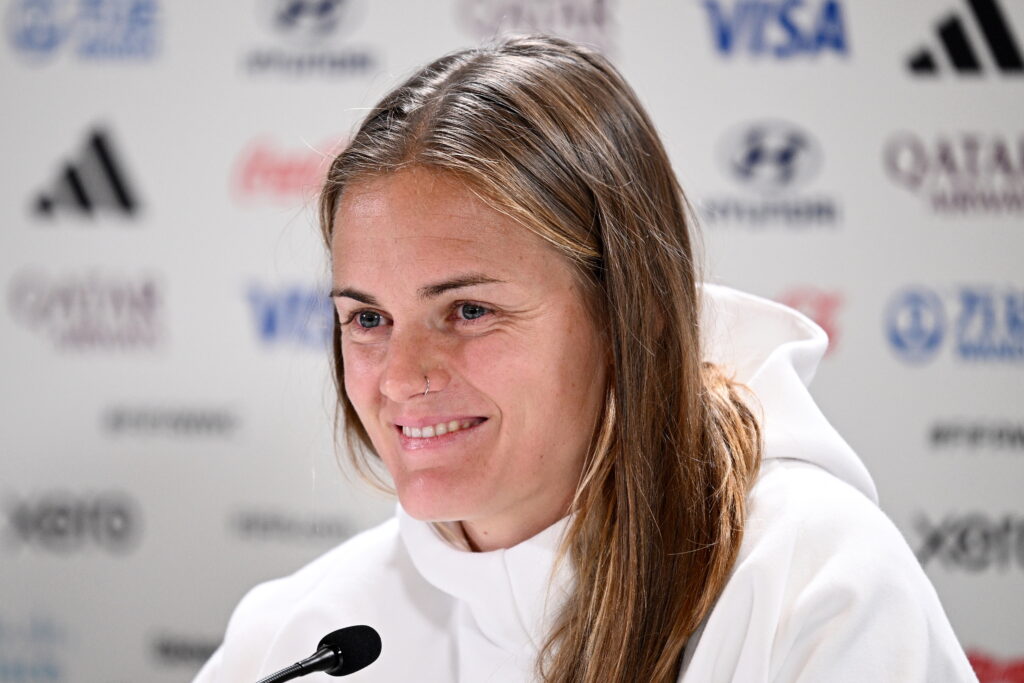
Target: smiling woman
451 314
605 470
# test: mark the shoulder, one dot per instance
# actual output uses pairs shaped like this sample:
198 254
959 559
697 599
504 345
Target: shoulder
359 558
358 582
828 590
801 507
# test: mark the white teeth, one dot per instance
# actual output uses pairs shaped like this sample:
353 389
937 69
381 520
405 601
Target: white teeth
439 429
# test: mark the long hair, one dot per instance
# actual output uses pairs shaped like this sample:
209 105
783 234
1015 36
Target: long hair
549 133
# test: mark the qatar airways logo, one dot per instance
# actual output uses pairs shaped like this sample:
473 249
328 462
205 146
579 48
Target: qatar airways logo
280 174
584 21
89 311
961 173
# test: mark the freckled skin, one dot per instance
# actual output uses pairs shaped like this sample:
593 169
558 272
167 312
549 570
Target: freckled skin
532 365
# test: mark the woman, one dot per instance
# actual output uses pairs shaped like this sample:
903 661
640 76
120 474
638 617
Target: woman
605 471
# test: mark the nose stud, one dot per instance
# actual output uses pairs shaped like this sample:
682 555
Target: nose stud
426 389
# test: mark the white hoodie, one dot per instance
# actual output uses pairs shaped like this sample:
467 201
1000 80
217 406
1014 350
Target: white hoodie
824 589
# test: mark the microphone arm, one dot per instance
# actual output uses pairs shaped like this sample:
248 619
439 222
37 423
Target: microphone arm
325 658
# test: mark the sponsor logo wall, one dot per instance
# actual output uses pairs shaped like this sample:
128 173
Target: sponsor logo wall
166 439
90 30
93 182
961 52
977 323
770 162
960 173
777 30
88 310
306 38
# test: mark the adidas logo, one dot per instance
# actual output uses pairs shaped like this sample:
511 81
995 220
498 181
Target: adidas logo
91 183
960 49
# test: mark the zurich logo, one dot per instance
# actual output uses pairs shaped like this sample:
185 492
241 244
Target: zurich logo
38 27
306 21
770 157
916 324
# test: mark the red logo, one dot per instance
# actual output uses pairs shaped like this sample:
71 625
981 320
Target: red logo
281 175
820 306
992 670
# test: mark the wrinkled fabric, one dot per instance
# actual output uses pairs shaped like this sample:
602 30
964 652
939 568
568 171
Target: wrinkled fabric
824 588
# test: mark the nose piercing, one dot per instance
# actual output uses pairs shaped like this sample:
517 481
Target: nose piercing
426 388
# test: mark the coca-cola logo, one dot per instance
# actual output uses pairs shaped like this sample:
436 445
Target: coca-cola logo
957 173
285 175
89 310
996 670
63 523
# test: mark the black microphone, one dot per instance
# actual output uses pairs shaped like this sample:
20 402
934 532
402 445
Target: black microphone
340 653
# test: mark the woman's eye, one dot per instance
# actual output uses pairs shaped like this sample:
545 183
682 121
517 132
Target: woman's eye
472 311
368 319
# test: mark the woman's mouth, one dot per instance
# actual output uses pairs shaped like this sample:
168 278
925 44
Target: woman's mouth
440 429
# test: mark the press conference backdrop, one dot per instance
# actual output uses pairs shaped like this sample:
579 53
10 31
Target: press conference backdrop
167 436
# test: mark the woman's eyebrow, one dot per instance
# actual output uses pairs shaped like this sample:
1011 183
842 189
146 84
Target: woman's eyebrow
350 293
425 292
469 280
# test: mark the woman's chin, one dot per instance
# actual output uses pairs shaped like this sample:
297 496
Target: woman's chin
435 504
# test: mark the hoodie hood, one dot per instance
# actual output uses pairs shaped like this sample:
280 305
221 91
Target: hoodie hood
775 351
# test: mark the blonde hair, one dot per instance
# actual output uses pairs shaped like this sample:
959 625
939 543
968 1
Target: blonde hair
549 133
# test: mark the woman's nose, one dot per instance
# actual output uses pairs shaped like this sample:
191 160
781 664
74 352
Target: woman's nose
415 367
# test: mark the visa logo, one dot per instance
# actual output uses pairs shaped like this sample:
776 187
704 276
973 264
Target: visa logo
296 315
779 29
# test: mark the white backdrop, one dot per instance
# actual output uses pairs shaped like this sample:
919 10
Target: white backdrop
167 413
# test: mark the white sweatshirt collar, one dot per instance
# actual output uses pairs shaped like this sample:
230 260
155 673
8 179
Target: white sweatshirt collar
506 591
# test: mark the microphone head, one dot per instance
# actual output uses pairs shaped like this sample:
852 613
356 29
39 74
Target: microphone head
359 647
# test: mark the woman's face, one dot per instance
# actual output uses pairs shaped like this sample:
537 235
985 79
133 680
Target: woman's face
430 282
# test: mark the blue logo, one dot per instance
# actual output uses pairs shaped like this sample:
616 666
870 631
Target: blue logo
781 29
916 324
95 29
984 323
295 315
33 648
